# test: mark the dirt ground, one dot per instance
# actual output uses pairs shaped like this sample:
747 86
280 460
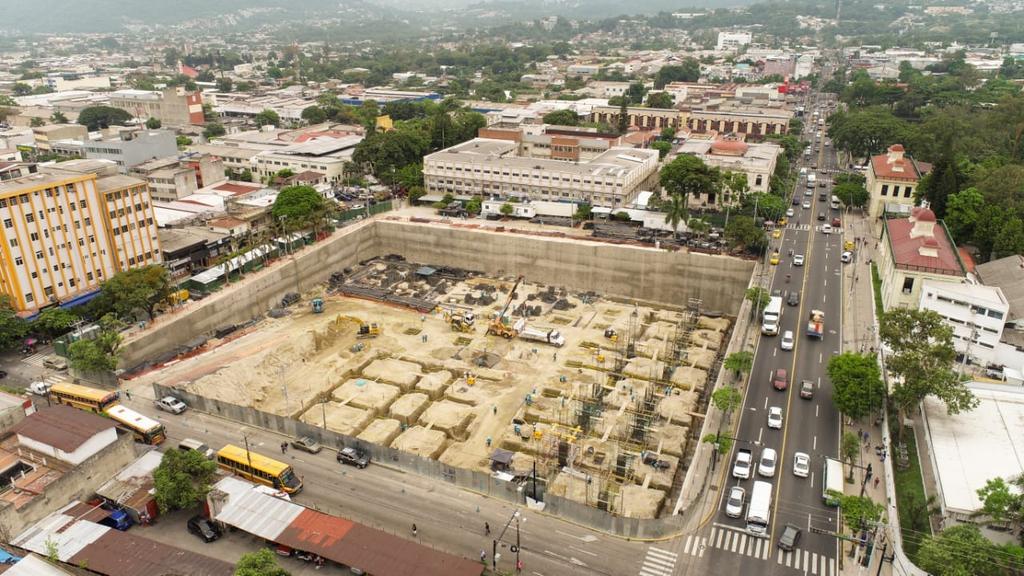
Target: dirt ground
462 395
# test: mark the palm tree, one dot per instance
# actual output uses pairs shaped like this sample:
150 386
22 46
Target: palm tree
675 211
698 226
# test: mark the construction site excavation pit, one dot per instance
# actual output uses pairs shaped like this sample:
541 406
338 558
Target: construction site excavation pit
604 395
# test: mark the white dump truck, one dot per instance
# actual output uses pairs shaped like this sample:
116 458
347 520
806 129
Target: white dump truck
545 335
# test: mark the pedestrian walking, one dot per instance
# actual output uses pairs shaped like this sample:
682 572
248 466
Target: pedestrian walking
876 481
127 394
284 447
414 529
483 556
487 529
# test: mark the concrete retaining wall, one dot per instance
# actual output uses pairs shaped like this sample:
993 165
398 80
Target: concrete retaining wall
631 272
624 271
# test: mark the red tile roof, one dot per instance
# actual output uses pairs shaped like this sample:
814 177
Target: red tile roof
967 259
235 188
373 551
62 427
906 250
903 168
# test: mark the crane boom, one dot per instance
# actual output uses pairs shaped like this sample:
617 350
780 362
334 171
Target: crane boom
511 296
497 326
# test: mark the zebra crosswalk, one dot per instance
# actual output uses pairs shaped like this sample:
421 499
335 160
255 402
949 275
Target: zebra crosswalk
736 541
35 359
658 562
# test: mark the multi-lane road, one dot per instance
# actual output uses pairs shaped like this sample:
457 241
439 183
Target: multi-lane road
810 425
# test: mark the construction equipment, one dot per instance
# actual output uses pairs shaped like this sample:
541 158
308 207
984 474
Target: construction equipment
498 326
460 321
318 305
371 330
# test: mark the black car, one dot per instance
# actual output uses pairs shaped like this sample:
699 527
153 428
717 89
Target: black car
204 529
794 298
353 457
821 216
790 537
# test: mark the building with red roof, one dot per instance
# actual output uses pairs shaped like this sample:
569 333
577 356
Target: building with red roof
892 179
913 250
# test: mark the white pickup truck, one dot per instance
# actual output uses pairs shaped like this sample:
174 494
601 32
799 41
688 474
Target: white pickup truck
744 460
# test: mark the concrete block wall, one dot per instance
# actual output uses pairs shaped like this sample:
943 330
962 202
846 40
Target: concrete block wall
641 273
79 483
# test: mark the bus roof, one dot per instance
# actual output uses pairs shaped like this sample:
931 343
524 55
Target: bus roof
83 391
260 461
130 417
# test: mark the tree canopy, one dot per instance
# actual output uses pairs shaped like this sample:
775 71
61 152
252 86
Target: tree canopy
267 117
137 289
688 71
688 175
259 563
99 117
12 327
182 479
660 100
298 206
962 550
562 118
857 387
99 354
743 232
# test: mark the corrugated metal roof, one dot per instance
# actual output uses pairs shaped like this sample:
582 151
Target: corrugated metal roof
69 536
62 427
136 476
34 566
117 553
257 513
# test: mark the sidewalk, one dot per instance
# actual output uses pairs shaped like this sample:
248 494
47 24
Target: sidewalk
859 336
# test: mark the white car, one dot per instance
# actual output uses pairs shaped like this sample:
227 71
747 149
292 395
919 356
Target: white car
40 388
790 213
787 340
826 228
775 417
801 465
734 503
798 260
846 257
171 404
767 466
807 203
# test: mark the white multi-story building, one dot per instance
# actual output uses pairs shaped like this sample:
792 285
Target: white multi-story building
492 168
70 227
732 40
976 313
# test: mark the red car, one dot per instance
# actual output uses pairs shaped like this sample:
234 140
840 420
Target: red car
780 380
836 222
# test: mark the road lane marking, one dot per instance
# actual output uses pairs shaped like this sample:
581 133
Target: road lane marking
582 550
812 479
816 410
689 541
814 443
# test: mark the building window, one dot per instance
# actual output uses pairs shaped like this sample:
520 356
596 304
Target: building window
908 285
885 189
895 191
29 218
14 242
88 276
87 221
18 261
35 274
8 223
48 290
29 297
82 204
908 191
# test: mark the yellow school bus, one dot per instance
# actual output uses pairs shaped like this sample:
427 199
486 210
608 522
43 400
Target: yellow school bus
258 468
83 397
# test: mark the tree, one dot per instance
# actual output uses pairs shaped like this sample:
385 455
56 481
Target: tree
259 563
298 206
962 550
688 71
742 232
662 147
54 321
267 118
100 353
154 123
962 212
562 118
182 479
769 206
1003 501
6 100
506 209
698 226
851 195
722 443
474 205
213 129
137 289
99 117
224 84
859 512
36 122
675 211
922 360
623 123
740 362
21 89
12 327
865 132
727 398
943 181
660 100
758 297
314 115
182 141
849 448
58 117
1010 239
857 387
688 175
635 93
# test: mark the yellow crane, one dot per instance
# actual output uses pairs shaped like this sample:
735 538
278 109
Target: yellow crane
498 327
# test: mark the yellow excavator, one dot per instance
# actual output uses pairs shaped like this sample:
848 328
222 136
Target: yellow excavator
498 327
460 321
